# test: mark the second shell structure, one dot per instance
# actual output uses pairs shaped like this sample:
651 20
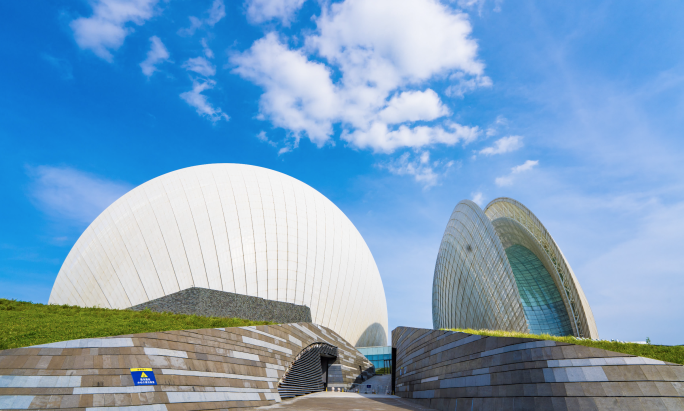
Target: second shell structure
500 269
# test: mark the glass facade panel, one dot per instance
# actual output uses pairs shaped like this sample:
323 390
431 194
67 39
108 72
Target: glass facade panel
542 303
381 357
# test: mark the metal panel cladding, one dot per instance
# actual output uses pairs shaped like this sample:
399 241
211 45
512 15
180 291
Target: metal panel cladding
578 307
474 286
229 227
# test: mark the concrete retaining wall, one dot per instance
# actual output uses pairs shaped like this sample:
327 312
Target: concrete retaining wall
215 303
456 371
222 368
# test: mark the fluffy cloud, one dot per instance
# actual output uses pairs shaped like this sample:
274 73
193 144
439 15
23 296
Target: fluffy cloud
503 145
507 180
299 95
214 15
380 137
107 28
413 106
384 51
201 66
199 101
72 195
208 53
421 169
259 11
157 54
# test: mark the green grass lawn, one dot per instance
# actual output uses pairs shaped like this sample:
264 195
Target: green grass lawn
667 353
23 324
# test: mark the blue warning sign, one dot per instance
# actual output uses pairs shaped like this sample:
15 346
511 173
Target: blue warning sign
143 376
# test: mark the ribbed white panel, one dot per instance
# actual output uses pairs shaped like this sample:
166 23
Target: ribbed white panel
234 228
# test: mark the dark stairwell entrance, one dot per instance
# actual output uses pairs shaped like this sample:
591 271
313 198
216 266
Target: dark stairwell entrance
309 371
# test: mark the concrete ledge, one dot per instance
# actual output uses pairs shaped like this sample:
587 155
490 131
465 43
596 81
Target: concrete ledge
227 368
449 370
215 303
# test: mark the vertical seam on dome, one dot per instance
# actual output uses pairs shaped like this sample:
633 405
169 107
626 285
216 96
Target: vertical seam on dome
223 213
303 283
275 220
97 238
308 197
242 245
251 221
96 280
211 227
296 225
180 234
194 225
334 238
156 219
346 323
325 248
73 287
256 260
340 320
125 245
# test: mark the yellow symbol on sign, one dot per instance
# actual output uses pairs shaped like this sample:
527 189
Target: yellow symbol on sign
143 375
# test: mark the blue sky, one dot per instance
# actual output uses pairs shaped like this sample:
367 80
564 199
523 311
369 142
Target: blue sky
393 109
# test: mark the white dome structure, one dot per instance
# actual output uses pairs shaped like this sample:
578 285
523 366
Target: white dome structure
235 228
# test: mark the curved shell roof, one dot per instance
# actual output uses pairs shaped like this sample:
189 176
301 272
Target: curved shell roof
560 270
235 228
474 285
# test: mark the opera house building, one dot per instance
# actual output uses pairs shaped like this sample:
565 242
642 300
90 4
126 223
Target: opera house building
235 228
238 241
500 269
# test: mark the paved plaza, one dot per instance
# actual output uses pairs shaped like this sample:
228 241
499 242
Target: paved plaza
344 401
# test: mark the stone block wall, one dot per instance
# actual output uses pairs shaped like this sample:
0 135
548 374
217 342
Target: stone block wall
449 370
215 303
207 369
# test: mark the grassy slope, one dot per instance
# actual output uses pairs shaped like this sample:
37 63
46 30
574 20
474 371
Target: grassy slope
23 324
673 354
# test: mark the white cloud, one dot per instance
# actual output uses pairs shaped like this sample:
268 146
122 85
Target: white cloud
507 180
157 54
493 129
264 139
413 106
215 14
463 84
478 198
106 29
503 145
72 195
421 169
299 94
208 53
196 99
379 48
201 66
479 5
380 137
259 11
394 41
527 165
